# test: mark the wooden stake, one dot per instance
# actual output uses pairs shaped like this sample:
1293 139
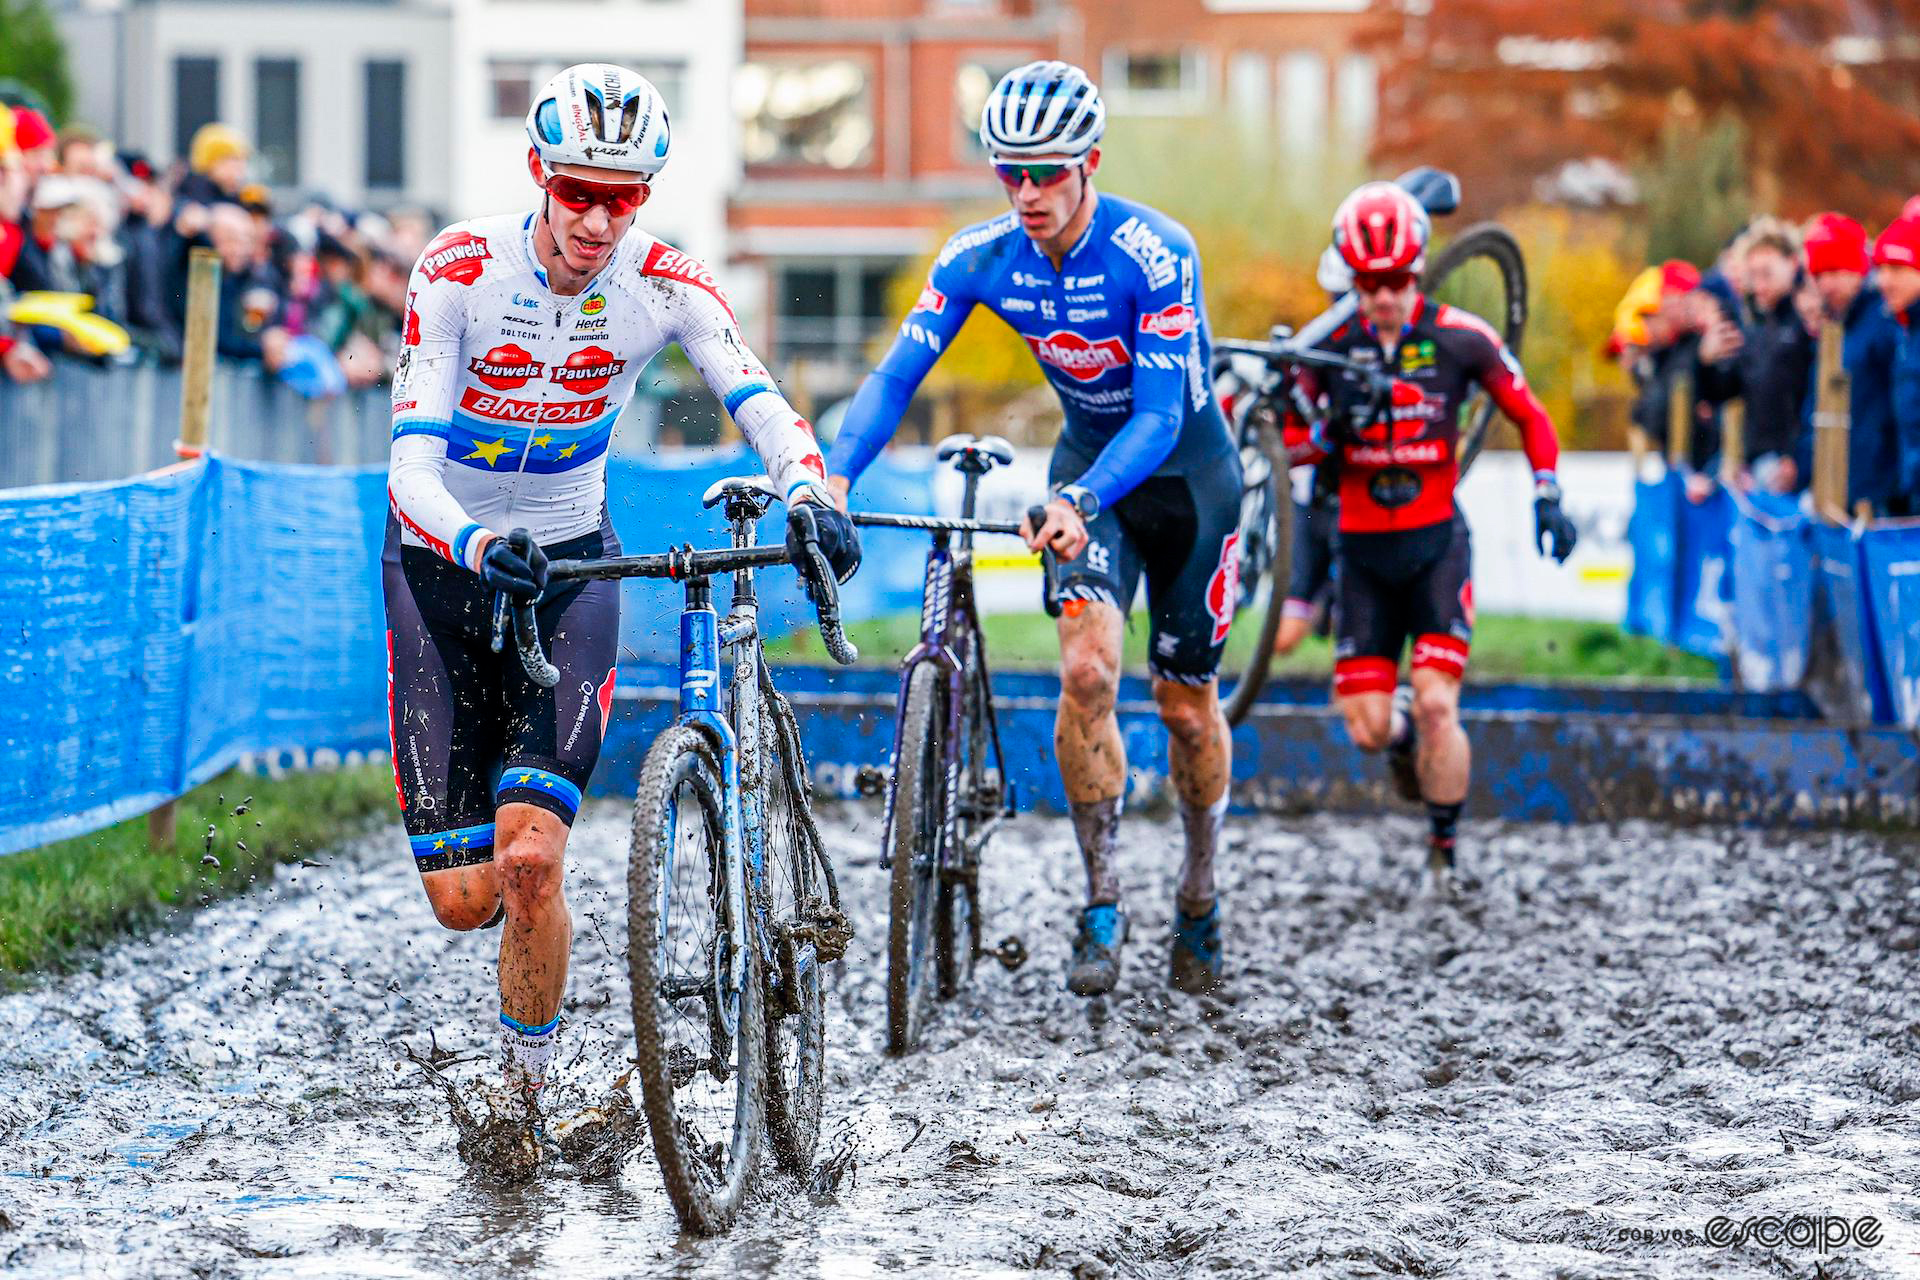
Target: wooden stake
196 407
1832 426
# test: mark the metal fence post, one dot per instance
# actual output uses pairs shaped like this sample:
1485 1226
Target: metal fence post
196 392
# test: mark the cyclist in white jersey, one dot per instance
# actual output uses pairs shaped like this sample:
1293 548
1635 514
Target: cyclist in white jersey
525 335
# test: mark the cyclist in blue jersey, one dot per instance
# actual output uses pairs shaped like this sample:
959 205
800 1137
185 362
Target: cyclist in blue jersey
1145 477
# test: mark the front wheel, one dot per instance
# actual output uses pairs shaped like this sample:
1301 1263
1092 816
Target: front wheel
695 989
796 895
1483 271
1265 551
913 842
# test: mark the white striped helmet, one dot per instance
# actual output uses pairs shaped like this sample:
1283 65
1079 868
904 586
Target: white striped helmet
599 114
1042 109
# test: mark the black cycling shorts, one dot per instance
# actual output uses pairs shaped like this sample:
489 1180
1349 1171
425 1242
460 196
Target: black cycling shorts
469 730
1181 531
1414 584
1310 577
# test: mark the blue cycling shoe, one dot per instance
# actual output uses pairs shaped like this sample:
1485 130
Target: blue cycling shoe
1195 963
1095 969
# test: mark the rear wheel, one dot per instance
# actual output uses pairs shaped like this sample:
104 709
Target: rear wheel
913 841
1265 550
695 993
1482 270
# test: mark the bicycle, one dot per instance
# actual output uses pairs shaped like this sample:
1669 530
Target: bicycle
1265 546
948 790
733 909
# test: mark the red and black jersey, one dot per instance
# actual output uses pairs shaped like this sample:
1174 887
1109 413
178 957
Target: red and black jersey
1400 473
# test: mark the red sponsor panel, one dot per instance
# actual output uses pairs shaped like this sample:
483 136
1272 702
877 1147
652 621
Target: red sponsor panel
604 696
1223 588
664 260
1171 322
587 370
1466 601
814 463
505 409
411 333
932 301
505 367
459 256
1441 653
404 405
1363 675
1078 358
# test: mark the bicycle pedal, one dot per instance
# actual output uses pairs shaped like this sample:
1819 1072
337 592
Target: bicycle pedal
870 781
1011 952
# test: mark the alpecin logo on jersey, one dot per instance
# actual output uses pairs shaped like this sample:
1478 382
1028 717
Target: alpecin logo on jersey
1171 323
932 301
500 408
505 367
1223 588
1080 359
587 370
459 256
663 260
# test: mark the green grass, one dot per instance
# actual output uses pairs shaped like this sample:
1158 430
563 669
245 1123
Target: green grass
1505 647
59 899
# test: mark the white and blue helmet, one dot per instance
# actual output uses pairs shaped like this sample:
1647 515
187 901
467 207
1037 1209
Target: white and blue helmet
1042 109
599 114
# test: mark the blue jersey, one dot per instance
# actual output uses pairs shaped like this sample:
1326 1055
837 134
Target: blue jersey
1119 329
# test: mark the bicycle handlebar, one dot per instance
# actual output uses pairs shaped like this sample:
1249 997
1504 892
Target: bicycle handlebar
677 565
1036 516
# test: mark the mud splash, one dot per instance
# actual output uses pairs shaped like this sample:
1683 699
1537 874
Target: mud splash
1622 1032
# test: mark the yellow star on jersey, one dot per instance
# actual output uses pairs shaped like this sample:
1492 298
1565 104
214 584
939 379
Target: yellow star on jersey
440 843
542 440
568 451
491 452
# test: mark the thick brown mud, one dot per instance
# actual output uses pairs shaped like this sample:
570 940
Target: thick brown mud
1619 1037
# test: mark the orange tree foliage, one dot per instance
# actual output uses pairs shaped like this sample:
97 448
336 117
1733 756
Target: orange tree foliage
1505 92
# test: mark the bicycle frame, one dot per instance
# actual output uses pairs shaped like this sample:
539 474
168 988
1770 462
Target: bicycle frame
949 621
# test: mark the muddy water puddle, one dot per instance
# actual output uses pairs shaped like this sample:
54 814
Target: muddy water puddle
1617 1033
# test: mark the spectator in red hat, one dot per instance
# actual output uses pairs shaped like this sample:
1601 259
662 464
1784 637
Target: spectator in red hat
35 139
1896 263
1838 261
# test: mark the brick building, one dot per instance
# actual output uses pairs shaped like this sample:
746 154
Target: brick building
858 116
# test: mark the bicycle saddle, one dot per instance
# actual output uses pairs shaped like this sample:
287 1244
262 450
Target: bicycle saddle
757 489
980 455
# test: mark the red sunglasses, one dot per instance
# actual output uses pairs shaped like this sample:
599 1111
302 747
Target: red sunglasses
1041 175
619 200
1374 281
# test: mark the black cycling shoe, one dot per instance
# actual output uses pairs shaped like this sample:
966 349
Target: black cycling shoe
1095 968
1400 755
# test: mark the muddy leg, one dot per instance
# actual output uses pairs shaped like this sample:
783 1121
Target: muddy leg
535 939
1200 752
1086 739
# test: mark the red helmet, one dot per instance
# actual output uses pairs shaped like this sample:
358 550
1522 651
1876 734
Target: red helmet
1382 228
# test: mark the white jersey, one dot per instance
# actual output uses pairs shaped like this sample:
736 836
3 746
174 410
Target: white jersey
506 393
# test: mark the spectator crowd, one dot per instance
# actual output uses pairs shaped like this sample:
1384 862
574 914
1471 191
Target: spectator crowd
1748 328
95 244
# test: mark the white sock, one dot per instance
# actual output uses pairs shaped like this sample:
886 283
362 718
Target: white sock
526 1051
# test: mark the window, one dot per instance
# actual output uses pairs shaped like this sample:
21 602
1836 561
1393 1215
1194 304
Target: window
276 120
386 124
1303 102
196 99
1357 92
512 82
1161 81
1248 87
971 85
805 113
830 309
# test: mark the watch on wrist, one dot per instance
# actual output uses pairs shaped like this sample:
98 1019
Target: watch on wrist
1081 499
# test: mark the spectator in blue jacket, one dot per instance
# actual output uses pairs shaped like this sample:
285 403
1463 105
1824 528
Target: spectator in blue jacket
1838 261
1896 261
1768 362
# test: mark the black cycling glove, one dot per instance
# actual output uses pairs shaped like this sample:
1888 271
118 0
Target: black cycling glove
830 529
516 565
1553 533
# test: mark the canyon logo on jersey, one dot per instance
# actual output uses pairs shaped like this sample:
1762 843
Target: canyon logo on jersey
1080 359
505 367
459 256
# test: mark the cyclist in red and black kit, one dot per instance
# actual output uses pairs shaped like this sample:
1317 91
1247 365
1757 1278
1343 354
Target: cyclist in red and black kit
1404 553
